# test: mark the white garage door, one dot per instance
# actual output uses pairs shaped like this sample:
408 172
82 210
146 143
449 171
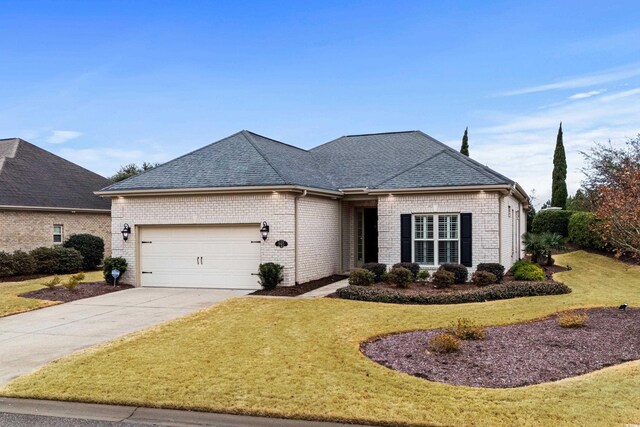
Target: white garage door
200 257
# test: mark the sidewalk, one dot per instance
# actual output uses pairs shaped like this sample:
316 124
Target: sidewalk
138 415
325 290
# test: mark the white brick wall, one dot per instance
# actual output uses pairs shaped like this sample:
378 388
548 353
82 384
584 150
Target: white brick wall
318 225
275 208
485 221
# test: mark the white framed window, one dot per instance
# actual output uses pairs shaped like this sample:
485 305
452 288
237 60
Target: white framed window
436 239
57 233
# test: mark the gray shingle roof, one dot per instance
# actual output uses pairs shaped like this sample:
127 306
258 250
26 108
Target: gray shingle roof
31 176
387 160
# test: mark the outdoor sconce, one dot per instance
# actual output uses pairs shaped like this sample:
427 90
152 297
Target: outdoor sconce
126 230
264 230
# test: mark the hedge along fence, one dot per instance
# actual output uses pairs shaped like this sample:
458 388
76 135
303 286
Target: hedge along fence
552 221
583 230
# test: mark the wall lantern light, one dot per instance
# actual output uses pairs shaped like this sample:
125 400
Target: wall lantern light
126 230
264 230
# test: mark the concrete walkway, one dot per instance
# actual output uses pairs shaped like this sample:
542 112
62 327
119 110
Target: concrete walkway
53 413
325 290
33 339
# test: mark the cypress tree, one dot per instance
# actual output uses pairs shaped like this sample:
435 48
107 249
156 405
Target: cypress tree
559 176
465 143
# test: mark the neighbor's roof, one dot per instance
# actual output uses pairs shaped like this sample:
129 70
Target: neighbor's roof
33 177
378 161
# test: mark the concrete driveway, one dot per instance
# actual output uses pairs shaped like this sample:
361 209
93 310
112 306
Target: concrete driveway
33 339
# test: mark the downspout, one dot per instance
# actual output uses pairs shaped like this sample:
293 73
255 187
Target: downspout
295 235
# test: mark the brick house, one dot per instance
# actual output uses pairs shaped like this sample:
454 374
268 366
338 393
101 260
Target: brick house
196 221
44 199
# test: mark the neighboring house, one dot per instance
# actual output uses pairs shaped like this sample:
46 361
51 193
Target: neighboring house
390 197
44 199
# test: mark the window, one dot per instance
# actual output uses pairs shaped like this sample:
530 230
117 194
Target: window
435 248
57 233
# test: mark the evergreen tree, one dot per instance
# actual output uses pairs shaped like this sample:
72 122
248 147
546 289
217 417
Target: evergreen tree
559 177
465 143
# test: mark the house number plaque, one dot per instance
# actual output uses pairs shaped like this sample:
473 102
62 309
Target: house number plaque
281 243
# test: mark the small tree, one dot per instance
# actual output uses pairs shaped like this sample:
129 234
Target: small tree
127 171
559 176
464 149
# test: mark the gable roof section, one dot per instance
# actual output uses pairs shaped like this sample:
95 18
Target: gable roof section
33 177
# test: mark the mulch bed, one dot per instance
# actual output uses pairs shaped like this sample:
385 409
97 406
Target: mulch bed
83 290
302 288
517 355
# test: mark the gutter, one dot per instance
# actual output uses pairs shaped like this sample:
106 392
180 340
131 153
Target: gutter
218 190
456 189
52 209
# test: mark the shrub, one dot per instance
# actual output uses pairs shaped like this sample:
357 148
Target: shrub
444 343
111 264
492 267
400 276
6 264
73 281
465 329
55 280
46 260
528 271
378 269
422 276
361 277
552 221
91 247
483 278
583 230
23 263
489 293
573 320
413 267
443 278
459 271
270 275
69 260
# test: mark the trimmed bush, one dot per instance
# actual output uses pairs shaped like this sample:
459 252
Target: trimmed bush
444 343
573 320
270 275
6 264
69 260
582 230
91 247
552 221
459 271
111 264
483 278
422 276
465 329
55 281
23 263
378 269
443 278
361 277
526 270
401 277
494 268
489 293
46 260
413 267
73 281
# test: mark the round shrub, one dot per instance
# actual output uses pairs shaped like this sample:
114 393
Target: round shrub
494 268
483 278
443 278
582 230
413 267
378 269
529 271
401 277
422 276
69 260
552 221
6 264
46 260
116 263
91 247
23 263
361 277
460 272
270 275
573 320
466 330
444 343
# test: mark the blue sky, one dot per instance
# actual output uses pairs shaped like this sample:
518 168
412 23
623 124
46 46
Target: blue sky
109 83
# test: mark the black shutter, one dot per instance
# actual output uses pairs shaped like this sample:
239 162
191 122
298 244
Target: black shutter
405 238
465 239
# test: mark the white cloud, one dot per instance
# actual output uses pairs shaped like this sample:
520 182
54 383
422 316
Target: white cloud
580 81
61 136
583 95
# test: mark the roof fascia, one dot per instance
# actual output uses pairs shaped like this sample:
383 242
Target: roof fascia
219 190
52 209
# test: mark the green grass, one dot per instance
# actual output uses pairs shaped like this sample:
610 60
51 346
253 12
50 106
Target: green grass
11 303
301 359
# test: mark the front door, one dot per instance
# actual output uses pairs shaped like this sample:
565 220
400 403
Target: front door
371 235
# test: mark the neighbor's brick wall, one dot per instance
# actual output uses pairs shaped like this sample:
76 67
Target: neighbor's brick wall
318 225
512 213
27 230
275 208
483 207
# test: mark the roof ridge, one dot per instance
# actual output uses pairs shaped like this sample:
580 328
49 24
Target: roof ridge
275 140
410 167
248 137
378 133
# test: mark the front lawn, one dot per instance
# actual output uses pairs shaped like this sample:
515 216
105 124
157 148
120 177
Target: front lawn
301 359
11 303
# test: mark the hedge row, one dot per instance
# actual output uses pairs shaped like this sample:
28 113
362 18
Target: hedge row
552 221
489 293
57 260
